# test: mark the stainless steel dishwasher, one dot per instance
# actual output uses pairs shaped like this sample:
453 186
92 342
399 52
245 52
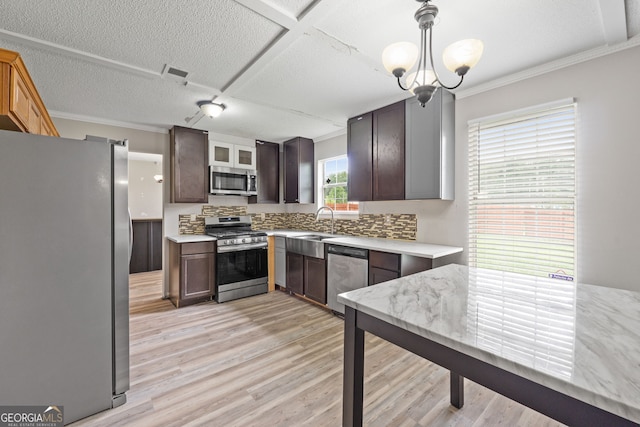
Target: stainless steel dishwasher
347 269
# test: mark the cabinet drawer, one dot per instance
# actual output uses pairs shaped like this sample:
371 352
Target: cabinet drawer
379 275
384 260
197 248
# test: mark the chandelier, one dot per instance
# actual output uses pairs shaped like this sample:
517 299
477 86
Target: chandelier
458 57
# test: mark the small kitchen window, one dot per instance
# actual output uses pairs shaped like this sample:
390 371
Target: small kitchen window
333 176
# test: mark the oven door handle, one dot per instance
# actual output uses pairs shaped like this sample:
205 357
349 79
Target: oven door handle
237 248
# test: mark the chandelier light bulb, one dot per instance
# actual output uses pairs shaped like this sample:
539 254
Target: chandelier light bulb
424 78
462 55
399 57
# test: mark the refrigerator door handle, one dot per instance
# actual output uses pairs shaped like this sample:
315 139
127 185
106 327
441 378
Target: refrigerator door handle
130 234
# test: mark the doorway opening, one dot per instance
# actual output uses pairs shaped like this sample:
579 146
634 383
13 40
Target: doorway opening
145 206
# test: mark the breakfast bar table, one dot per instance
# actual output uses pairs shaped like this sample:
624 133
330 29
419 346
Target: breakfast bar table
567 350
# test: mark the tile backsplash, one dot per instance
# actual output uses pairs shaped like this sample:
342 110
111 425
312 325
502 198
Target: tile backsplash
392 226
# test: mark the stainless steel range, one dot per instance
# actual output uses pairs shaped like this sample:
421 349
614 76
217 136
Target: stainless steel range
241 257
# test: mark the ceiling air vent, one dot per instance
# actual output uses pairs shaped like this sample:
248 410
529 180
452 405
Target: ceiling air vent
175 74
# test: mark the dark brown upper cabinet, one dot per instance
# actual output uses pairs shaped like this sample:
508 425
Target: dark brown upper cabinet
189 155
375 149
298 170
268 173
360 156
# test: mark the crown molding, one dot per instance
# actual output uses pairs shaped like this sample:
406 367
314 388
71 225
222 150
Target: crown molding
334 134
100 121
548 67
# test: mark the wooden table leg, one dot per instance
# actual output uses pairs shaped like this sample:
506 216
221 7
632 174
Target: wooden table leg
352 389
457 389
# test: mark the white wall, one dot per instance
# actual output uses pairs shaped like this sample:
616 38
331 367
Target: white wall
145 193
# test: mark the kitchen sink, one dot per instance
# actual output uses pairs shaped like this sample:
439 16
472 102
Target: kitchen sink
308 245
315 237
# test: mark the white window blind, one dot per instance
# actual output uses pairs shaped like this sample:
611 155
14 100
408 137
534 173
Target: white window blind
522 191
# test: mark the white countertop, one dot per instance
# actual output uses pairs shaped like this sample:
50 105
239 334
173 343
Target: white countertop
423 250
292 233
581 340
191 238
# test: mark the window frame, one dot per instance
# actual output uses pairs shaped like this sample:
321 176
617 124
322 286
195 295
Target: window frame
322 185
539 141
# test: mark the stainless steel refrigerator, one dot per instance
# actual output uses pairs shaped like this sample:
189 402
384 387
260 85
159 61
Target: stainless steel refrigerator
64 262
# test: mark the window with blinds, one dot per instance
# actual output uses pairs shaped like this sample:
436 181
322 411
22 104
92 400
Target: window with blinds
522 191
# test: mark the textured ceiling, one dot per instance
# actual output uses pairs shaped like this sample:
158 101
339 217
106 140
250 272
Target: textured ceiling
284 68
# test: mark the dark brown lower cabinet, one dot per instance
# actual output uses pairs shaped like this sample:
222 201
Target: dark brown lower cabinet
384 266
307 276
191 272
295 273
146 251
315 283
379 275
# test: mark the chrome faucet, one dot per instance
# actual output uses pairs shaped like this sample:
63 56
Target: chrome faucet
318 215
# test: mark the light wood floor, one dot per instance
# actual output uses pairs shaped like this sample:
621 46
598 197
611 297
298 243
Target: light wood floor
274 360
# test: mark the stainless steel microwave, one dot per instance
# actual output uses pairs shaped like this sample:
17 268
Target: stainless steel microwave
232 181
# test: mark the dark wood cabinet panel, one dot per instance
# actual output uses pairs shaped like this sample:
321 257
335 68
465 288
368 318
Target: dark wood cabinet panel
299 170
197 276
295 273
388 152
189 156
291 171
315 283
360 157
383 266
146 251
192 272
268 173
376 153
379 275
385 260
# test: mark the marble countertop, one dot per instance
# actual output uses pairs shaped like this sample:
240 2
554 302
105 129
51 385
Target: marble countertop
579 339
423 250
191 238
